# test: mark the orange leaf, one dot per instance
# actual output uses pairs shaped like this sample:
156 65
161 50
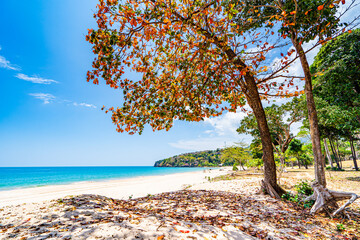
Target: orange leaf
293 12
350 31
160 237
133 22
320 7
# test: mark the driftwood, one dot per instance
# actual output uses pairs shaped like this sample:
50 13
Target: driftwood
326 199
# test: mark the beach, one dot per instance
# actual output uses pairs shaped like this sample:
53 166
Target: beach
119 189
175 206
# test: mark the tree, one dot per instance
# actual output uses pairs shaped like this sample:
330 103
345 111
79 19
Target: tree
191 59
280 119
337 73
301 22
238 154
295 148
337 83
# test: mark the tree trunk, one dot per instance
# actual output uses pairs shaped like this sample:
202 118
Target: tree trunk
250 90
328 155
242 166
314 127
353 153
338 151
270 182
282 162
334 153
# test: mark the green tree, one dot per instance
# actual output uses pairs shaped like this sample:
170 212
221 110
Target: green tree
237 154
280 119
337 87
295 148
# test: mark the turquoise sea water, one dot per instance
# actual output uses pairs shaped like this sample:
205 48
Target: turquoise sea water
22 177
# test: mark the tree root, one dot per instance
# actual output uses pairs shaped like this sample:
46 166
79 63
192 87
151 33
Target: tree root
267 188
327 199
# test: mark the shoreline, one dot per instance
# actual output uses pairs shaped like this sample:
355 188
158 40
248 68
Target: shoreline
123 188
106 179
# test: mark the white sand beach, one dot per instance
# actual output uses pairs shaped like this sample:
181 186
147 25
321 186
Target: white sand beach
119 189
229 209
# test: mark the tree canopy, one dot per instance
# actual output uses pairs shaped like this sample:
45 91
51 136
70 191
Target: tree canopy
189 55
336 72
193 61
337 78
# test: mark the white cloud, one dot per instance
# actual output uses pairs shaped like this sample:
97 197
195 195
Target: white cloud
49 98
35 79
222 132
45 97
226 124
209 143
84 105
6 64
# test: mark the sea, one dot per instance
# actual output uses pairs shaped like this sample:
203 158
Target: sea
25 177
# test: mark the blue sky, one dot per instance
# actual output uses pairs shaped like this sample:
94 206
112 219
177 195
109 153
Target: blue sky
50 115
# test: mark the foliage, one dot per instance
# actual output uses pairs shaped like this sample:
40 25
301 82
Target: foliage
280 118
211 158
256 148
255 162
300 22
340 227
337 93
238 154
235 168
191 59
334 168
231 156
303 190
295 146
309 18
336 71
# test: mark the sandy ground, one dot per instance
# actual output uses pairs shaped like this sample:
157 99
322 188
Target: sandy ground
228 209
119 189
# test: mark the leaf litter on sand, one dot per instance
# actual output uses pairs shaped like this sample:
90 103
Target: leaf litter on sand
196 214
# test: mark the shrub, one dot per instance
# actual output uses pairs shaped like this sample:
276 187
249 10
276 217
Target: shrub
235 168
340 227
303 190
334 168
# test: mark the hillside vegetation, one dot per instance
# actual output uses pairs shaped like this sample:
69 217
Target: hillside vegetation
210 158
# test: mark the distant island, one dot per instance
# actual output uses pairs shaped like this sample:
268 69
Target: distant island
209 158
